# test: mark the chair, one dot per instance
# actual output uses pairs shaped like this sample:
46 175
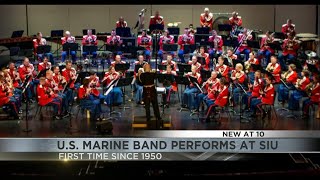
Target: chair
270 107
222 108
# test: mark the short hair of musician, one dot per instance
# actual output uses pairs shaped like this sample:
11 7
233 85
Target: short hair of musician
85 82
293 67
68 62
239 65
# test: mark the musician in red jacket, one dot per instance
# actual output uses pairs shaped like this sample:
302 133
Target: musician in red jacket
7 98
254 89
216 45
121 23
94 84
68 39
170 62
115 95
222 69
290 78
155 20
166 38
202 53
89 40
170 86
206 19
14 75
289 51
45 65
115 42
232 59
58 78
41 42
145 41
46 97
248 68
265 49
70 75
300 90
235 21
274 68
314 96
185 39
243 44
26 70
195 64
238 77
288 28
266 97
188 97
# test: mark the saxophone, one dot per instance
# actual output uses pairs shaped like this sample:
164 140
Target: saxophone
284 75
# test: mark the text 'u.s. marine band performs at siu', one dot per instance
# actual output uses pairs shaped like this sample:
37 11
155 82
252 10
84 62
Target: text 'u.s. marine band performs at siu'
220 75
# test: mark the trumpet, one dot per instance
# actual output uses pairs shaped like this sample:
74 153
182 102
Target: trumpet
284 75
247 66
270 68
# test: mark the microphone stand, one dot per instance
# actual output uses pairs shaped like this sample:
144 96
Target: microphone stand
240 98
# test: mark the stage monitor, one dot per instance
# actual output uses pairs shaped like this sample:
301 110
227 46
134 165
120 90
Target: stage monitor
16 34
85 31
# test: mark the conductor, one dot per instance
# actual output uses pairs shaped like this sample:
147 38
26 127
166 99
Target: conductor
147 79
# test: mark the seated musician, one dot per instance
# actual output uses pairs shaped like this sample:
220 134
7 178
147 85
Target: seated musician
115 95
50 83
243 44
206 19
14 92
70 75
41 42
265 49
156 19
221 100
168 85
248 68
14 75
235 21
274 68
313 91
170 62
289 52
87 101
115 40
288 28
7 97
254 90
222 69
266 97
290 78
117 60
94 84
166 38
216 45
121 23
211 87
145 41
300 90
191 89
68 39
46 97
89 40
58 78
237 77
183 40
194 63
206 57
27 70
139 87
45 65
232 59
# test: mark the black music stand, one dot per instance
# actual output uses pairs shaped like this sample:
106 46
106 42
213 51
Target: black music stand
122 68
182 80
109 89
162 78
123 82
286 85
242 91
203 30
256 67
205 75
153 27
254 44
43 49
90 49
189 48
70 47
202 39
123 32
184 68
224 27
174 30
25 85
279 35
170 47
16 34
57 34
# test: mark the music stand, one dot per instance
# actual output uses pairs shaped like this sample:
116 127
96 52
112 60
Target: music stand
123 32
70 47
16 34
162 67
242 90
279 35
184 68
90 49
312 68
56 34
25 85
170 47
205 75
174 30
202 39
182 80
109 89
123 82
256 67
43 49
203 30
153 27
195 81
254 44
224 27
189 48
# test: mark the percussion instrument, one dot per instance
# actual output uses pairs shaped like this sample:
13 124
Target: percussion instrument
308 43
306 35
170 24
310 54
161 90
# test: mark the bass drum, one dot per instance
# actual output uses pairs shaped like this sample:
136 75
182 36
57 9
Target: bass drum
220 20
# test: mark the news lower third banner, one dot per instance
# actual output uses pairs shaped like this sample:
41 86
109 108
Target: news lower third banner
159 145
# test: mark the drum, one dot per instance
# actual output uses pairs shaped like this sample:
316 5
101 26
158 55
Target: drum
308 44
306 35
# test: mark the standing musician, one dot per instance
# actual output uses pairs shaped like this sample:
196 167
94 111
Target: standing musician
53 86
290 78
274 68
194 63
115 95
45 65
147 79
157 19
216 46
41 42
68 39
288 28
27 70
211 88
243 44
70 74
170 62
168 85
183 40
266 97
115 40
265 49
14 75
46 97
254 89
222 69
188 97
7 98
237 77
248 68
289 47
58 78
87 101
166 38
121 23
313 91
89 40
204 55
235 21
300 90
145 41
206 19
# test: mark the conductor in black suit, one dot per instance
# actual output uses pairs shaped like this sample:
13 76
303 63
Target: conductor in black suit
147 78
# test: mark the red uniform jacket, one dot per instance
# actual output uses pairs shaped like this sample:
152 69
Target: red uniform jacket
185 39
57 79
24 71
268 96
145 41
37 42
285 29
206 21
198 65
207 59
257 85
219 41
42 66
241 76
13 74
304 82
82 92
43 97
235 21
290 47
165 40
110 77
89 40
121 24
67 39
276 71
223 70
69 74
244 45
114 40
315 93
253 61
264 47
172 63
4 98
292 77
156 20
222 98
214 87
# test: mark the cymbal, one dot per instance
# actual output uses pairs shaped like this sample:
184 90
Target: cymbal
306 35
307 39
310 53
170 24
